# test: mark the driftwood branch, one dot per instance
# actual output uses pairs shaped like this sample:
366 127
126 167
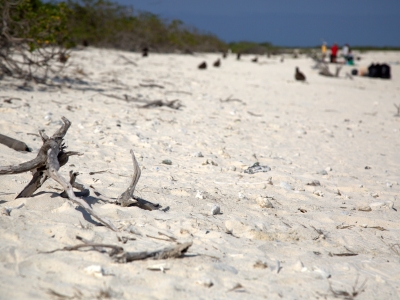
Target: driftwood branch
72 180
13 143
118 254
151 85
128 60
46 165
174 104
125 198
230 99
324 71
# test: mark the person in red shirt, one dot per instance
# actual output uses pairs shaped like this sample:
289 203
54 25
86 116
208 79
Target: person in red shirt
334 51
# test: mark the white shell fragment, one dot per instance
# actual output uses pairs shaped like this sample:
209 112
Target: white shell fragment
7 210
381 204
197 154
199 195
318 193
95 270
313 183
207 282
158 267
299 266
215 210
364 208
322 172
264 202
321 273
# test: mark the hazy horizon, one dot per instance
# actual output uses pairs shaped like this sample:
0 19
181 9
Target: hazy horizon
291 23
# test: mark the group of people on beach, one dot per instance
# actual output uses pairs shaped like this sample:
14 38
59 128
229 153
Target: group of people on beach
346 53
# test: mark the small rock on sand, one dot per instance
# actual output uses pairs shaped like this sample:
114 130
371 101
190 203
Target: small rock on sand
264 202
215 210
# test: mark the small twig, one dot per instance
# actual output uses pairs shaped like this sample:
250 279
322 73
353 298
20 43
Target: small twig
398 110
128 60
151 85
174 104
157 238
172 238
253 114
230 99
178 92
97 172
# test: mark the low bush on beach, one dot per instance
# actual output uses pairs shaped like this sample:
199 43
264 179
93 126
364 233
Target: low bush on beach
107 24
254 48
33 36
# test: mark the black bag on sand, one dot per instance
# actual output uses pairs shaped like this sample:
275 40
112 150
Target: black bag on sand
374 70
385 71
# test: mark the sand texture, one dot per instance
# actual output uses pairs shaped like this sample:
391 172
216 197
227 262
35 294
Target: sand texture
322 213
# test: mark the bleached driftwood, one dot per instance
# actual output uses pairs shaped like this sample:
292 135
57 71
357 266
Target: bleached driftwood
324 71
118 254
51 157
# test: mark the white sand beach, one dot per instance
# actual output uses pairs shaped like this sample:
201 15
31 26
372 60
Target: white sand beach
323 220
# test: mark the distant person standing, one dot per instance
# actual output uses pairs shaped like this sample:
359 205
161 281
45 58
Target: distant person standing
323 50
350 58
334 51
345 51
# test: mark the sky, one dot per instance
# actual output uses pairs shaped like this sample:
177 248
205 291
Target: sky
286 22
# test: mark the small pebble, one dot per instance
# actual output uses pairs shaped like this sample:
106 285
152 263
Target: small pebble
318 193
167 162
285 185
313 183
205 282
364 208
301 131
322 172
199 195
215 210
242 196
298 266
197 154
328 169
321 273
260 265
95 270
264 202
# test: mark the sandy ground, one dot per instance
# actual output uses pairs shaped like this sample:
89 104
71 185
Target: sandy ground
307 242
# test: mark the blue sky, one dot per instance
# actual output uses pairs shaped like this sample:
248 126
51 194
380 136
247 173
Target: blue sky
286 22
